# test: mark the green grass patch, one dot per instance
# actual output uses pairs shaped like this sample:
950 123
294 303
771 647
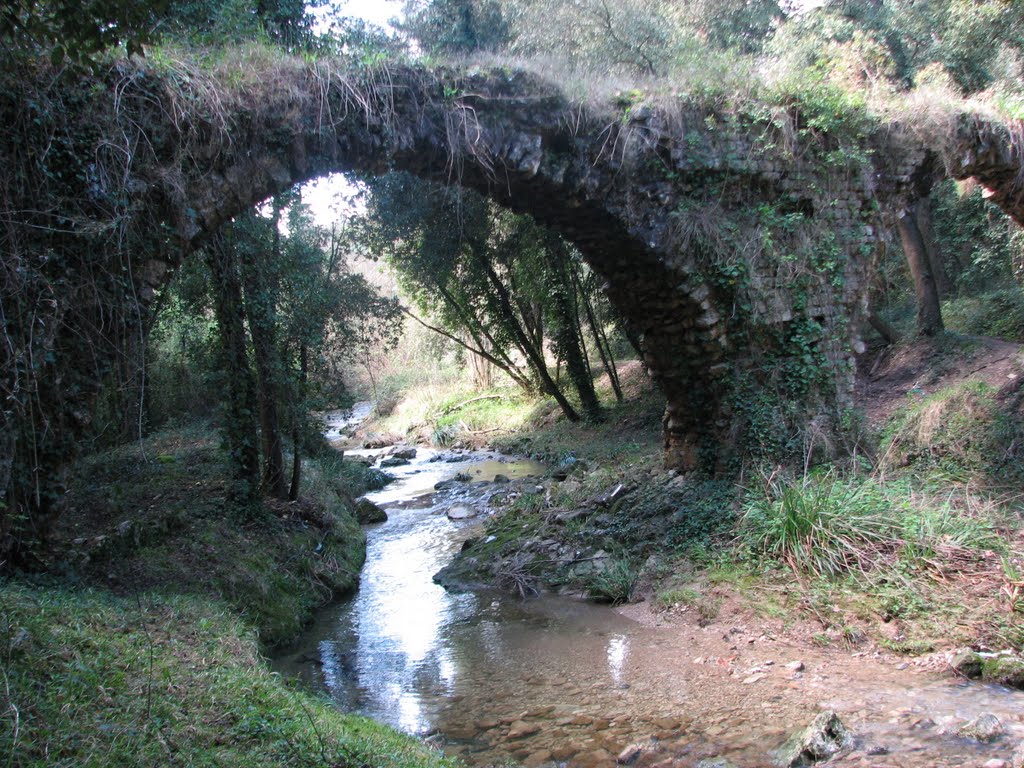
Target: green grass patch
828 526
997 313
93 680
961 431
614 583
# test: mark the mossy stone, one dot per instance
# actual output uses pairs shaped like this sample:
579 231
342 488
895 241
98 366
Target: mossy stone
1004 670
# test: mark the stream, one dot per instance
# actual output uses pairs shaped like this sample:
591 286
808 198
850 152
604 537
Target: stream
552 680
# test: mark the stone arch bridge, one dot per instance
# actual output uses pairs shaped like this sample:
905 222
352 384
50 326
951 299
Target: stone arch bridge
737 241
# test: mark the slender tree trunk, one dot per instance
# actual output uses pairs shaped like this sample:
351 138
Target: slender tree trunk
131 384
604 351
929 313
239 429
486 346
535 356
502 362
570 340
259 303
923 219
293 491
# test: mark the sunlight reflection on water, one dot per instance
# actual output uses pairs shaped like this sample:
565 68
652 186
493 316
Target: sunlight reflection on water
409 654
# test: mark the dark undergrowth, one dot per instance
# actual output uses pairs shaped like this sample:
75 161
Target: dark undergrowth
156 516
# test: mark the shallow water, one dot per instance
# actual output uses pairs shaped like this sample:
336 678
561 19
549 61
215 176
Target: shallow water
553 679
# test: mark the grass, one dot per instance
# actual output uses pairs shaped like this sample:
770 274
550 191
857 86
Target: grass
155 517
613 583
91 679
961 431
825 526
629 436
820 526
448 413
917 553
707 605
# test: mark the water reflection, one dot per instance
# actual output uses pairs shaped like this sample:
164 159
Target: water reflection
397 620
618 650
413 656
391 655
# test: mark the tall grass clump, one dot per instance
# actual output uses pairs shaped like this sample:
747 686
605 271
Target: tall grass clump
828 526
819 525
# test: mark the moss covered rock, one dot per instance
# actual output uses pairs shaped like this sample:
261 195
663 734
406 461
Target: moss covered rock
1004 670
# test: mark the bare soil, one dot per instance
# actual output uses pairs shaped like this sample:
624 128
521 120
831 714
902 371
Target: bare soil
888 377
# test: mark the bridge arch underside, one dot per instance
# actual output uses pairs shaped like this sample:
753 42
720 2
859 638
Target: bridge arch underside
739 259
749 344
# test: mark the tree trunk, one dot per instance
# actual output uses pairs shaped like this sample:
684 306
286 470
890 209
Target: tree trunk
486 346
131 384
929 314
259 307
567 332
885 330
923 219
601 342
535 356
239 429
293 491
600 339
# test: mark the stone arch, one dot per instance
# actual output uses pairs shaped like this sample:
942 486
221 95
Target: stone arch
736 241
640 190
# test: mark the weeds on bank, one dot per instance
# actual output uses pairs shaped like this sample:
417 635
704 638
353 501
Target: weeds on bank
890 550
825 526
613 583
961 431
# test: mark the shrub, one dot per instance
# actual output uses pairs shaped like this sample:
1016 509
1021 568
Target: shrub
613 584
999 314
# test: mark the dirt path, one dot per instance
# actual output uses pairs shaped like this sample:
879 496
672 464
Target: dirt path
890 375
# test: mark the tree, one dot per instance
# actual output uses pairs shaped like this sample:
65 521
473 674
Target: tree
77 29
238 426
456 27
491 281
929 314
289 315
901 39
640 36
289 23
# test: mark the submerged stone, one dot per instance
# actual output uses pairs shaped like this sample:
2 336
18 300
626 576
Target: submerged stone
986 727
462 512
